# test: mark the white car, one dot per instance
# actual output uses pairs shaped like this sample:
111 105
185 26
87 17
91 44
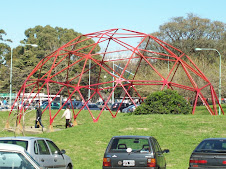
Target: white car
43 150
130 109
16 157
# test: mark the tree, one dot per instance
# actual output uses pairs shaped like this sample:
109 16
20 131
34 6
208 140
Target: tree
48 39
188 33
4 66
164 102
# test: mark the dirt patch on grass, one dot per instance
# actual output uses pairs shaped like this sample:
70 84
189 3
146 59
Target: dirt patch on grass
130 129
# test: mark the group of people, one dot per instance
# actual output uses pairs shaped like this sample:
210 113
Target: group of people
67 114
3 102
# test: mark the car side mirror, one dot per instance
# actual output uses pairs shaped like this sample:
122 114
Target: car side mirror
166 151
63 152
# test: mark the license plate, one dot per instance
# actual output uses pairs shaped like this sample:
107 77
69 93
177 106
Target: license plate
128 163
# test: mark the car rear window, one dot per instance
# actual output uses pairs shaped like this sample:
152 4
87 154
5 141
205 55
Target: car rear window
212 145
137 145
22 143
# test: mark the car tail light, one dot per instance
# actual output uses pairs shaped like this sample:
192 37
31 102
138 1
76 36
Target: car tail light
198 161
151 162
106 162
194 163
224 162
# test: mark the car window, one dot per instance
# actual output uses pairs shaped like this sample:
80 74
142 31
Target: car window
224 145
14 160
53 148
43 149
156 146
55 104
22 143
45 103
92 106
121 144
212 145
77 103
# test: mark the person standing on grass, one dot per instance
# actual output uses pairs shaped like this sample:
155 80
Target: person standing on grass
67 114
38 117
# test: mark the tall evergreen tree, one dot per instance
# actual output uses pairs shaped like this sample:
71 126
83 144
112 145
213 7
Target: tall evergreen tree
4 66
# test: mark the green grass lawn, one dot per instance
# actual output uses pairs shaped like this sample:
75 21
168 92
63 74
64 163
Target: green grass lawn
86 143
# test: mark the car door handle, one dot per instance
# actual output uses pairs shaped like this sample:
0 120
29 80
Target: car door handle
42 160
55 160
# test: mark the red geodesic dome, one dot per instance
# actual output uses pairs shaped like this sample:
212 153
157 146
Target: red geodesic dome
124 55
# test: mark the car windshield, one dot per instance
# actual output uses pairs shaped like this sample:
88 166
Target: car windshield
137 145
212 146
14 160
22 143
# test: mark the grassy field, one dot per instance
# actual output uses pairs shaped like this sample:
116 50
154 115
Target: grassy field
86 143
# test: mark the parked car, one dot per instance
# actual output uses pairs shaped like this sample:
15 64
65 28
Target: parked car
210 153
101 105
28 106
92 107
134 152
77 104
54 105
115 106
43 150
16 157
129 109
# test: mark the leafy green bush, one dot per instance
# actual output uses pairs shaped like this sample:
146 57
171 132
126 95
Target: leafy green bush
164 102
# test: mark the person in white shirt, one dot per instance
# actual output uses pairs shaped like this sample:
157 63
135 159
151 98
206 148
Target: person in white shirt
67 114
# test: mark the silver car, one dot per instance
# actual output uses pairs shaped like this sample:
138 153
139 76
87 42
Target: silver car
14 156
43 150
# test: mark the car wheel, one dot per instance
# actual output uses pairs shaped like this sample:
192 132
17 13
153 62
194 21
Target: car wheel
69 167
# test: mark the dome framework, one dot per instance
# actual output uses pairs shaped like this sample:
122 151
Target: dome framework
119 64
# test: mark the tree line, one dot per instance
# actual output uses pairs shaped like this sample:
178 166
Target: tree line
184 33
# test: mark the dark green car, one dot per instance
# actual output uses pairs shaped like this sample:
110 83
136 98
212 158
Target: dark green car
134 152
210 153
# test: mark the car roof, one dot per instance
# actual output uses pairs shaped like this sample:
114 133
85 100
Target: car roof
20 138
214 139
11 147
132 136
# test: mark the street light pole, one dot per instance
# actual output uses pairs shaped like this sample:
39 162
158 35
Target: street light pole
89 78
199 49
11 69
113 85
